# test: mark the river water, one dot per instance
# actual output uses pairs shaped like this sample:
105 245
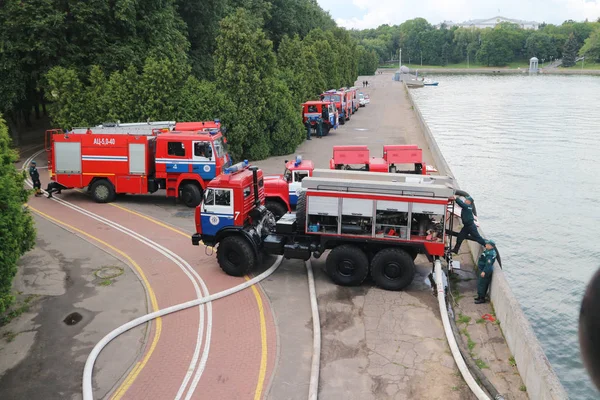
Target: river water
526 148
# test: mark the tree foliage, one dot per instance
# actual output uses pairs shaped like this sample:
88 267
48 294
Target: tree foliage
16 224
570 51
591 47
498 46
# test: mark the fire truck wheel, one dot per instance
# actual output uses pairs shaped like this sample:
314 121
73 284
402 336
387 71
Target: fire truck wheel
103 191
276 208
301 212
413 253
326 129
191 195
342 121
347 265
235 256
392 269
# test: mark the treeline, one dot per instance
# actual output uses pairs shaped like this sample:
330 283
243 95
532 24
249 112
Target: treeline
248 62
422 42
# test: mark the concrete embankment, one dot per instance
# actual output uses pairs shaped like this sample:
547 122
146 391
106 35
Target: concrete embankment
505 71
533 365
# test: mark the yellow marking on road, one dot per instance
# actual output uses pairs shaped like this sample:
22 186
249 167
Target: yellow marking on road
262 372
138 367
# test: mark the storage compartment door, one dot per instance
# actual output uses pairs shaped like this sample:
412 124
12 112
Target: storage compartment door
137 159
398 206
68 158
319 205
424 208
360 207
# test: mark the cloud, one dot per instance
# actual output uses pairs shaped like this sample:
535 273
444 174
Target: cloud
372 13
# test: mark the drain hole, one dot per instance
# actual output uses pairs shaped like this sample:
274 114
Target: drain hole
73 318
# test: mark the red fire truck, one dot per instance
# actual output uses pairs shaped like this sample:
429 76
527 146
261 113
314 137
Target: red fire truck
139 158
371 222
313 110
409 157
339 99
281 191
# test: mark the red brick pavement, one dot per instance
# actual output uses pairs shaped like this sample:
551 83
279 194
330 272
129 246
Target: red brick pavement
232 369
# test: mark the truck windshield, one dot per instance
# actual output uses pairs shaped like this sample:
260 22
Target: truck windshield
332 97
220 147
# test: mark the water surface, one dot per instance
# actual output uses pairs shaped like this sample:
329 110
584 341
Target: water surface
526 149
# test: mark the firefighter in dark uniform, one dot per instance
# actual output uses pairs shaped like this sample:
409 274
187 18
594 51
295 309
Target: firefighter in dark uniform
35 178
469 228
485 266
324 114
308 129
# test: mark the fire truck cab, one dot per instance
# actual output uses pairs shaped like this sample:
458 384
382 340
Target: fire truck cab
313 110
372 222
337 98
281 191
139 158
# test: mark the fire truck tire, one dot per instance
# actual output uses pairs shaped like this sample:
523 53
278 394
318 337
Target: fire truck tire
392 269
301 212
103 191
342 121
326 129
276 208
412 252
347 265
191 195
235 256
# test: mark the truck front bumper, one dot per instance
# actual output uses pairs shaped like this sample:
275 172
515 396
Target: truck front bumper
196 239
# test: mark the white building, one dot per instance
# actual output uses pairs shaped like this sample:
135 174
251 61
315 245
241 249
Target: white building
490 23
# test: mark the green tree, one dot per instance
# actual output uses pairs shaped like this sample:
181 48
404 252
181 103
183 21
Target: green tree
367 61
570 51
591 47
497 47
16 224
244 60
540 45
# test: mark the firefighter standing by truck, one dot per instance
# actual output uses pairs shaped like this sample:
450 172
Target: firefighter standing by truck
469 228
485 266
35 178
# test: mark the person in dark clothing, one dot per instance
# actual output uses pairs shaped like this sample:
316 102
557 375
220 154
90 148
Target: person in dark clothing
308 129
54 187
35 178
485 266
469 228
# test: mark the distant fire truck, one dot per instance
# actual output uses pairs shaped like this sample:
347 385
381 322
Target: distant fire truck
373 223
313 110
139 158
339 99
394 157
281 191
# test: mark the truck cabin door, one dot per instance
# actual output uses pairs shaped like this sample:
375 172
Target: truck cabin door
217 210
296 184
203 160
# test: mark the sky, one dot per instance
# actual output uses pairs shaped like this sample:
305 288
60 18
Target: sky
363 14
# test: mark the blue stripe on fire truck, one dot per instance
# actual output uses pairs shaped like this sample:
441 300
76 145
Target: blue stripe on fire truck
293 198
206 169
212 223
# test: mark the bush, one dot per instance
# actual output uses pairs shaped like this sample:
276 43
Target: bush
16 224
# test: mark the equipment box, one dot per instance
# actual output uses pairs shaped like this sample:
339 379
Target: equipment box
274 244
286 224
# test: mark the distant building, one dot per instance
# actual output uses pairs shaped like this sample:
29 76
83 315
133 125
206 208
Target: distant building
490 23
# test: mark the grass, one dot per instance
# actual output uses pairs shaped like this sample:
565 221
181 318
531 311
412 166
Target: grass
586 65
470 343
15 312
480 321
463 319
455 388
512 362
9 336
523 388
106 282
481 364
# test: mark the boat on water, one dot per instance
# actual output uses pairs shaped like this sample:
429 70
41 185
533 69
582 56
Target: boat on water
429 82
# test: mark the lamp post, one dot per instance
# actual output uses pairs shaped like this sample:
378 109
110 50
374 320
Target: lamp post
582 61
